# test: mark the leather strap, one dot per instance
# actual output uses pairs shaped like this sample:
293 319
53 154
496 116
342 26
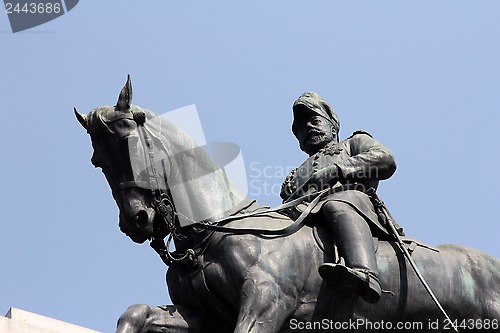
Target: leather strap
270 232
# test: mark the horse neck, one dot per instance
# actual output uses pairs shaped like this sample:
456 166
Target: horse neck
207 198
199 188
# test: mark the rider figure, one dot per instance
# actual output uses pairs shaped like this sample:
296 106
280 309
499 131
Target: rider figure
349 168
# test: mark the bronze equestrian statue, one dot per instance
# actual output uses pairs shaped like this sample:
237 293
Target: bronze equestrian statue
256 270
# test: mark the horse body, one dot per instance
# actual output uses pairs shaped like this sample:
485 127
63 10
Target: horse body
275 285
255 283
272 285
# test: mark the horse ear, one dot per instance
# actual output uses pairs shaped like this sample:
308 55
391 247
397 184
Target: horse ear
125 98
81 118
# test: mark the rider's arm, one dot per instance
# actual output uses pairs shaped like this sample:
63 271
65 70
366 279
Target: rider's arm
368 159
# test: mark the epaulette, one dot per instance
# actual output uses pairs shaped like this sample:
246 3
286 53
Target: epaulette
360 132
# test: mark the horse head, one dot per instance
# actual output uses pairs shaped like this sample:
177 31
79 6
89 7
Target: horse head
119 152
150 165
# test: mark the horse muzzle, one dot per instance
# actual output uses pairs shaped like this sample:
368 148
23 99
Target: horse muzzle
139 225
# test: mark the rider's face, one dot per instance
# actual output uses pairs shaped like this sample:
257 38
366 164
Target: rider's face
314 132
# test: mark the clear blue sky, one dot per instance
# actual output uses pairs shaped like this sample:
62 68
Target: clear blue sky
422 77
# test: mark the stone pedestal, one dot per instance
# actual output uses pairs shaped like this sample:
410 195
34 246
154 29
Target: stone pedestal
20 321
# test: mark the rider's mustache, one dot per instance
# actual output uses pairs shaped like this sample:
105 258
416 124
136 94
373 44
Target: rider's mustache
315 130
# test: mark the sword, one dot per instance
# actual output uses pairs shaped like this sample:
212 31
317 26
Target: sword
390 222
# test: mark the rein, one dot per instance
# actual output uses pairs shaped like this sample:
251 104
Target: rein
216 226
190 255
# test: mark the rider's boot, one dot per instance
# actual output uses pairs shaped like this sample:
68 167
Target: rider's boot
355 244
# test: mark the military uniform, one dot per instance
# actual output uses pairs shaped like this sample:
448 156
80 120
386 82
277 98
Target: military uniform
357 164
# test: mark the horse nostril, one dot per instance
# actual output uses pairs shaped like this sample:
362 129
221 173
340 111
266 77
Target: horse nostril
141 218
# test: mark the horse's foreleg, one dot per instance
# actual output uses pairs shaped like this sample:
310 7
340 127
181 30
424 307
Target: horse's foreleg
142 318
264 306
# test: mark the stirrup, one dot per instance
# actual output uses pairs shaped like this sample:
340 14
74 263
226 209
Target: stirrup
362 282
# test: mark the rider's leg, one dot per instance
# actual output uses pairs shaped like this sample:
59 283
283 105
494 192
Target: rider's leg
354 240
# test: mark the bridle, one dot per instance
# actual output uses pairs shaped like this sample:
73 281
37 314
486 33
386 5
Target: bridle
161 202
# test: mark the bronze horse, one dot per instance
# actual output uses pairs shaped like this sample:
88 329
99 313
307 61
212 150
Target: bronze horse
251 282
